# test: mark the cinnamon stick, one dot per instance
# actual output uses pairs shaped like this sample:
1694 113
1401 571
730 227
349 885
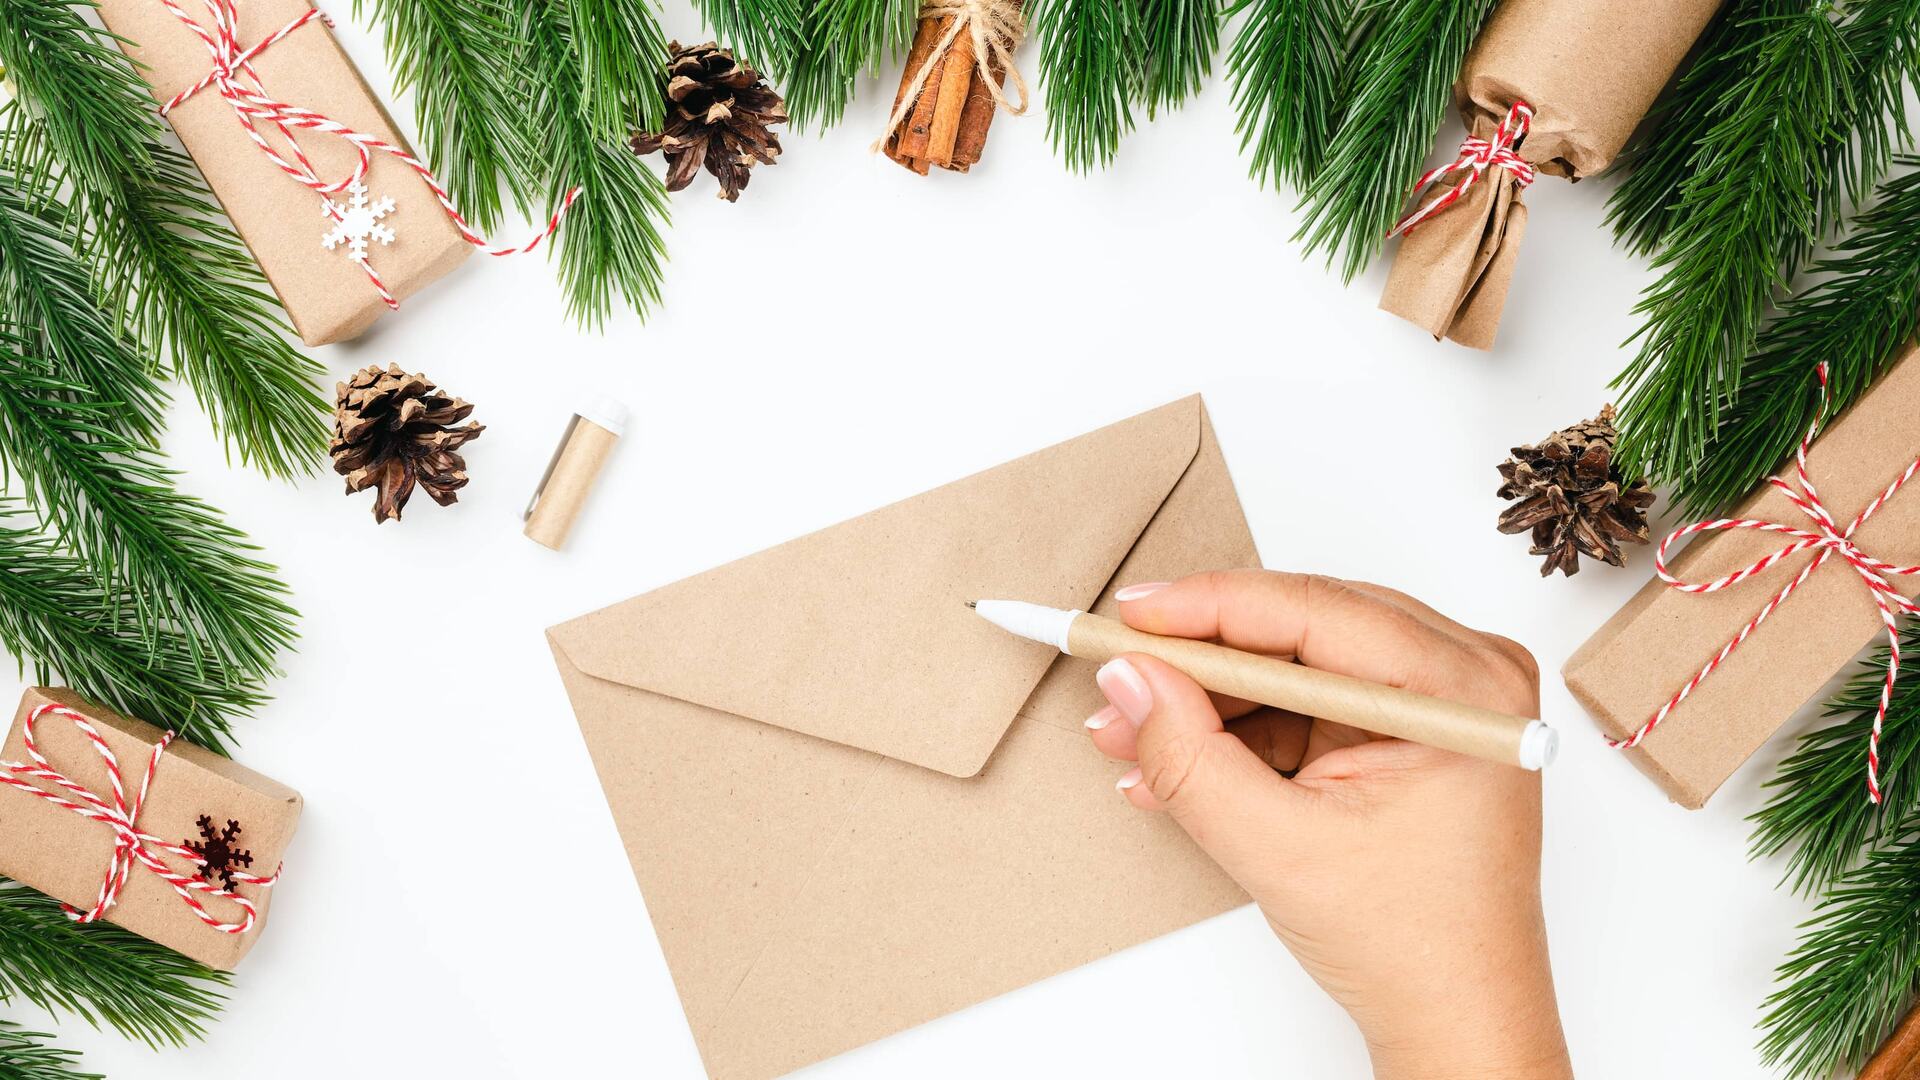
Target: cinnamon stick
957 76
1898 1057
908 143
975 118
950 119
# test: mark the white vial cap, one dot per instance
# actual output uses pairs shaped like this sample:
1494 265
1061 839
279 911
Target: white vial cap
608 412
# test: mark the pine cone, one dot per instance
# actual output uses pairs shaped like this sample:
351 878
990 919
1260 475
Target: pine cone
392 430
1572 497
719 113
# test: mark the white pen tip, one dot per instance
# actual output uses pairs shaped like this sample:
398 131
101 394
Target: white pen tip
1030 621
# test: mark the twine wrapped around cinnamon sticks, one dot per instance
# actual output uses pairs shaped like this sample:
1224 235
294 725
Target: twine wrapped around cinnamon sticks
962 54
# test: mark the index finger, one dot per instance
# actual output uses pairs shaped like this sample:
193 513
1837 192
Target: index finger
1321 621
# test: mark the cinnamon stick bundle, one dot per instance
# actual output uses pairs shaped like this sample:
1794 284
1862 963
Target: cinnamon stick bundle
948 96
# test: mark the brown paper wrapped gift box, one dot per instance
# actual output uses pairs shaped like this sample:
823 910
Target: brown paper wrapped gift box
64 855
1590 69
325 293
1653 645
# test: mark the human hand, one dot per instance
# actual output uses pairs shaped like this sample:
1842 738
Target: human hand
1405 879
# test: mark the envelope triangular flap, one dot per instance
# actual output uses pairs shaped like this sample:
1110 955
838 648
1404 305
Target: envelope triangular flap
859 633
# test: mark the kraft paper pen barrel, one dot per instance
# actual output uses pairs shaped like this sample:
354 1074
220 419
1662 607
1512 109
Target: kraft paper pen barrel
570 476
1383 710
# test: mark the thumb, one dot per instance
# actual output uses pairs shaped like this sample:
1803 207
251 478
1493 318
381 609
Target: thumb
1217 789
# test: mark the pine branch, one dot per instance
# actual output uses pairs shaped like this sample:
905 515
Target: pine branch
1858 318
1882 38
1285 68
766 35
611 240
462 66
622 54
1819 809
1100 58
1660 157
1763 185
1857 965
182 278
181 567
844 39
25 1055
1087 70
1400 83
101 973
54 613
1177 41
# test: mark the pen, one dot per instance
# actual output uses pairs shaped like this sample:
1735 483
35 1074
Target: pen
1383 710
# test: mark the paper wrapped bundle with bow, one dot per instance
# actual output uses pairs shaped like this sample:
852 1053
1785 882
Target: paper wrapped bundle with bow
1764 606
228 71
123 823
1552 86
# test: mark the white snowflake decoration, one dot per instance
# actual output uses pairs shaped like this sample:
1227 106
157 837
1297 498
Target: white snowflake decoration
357 222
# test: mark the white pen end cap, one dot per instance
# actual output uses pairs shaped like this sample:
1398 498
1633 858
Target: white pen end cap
1539 745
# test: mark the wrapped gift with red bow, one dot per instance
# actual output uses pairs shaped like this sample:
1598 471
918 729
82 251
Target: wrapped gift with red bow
342 217
1765 606
122 822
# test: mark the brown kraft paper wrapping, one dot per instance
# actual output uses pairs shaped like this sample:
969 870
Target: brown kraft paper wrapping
66 856
1662 637
325 293
1590 69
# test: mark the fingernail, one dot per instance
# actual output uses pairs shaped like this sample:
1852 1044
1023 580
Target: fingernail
1126 690
1131 779
1102 718
1135 592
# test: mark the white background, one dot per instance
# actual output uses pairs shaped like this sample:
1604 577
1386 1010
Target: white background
457 901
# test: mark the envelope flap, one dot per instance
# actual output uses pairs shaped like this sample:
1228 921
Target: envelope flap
859 633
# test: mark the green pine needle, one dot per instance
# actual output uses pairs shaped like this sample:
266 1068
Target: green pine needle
1087 70
162 254
25 1055
611 240
1397 91
1819 809
101 973
54 613
461 65
1859 316
180 566
1855 969
1763 185
843 40
1285 70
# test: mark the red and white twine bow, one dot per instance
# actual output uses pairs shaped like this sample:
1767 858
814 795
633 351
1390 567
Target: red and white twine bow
1831 540
233 76
1477 155
122 815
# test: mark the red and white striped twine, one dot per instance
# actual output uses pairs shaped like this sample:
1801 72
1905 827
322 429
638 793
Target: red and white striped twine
239 85
122 815
1477 155
1831 540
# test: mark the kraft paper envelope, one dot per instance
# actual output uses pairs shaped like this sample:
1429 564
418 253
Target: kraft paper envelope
853 806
